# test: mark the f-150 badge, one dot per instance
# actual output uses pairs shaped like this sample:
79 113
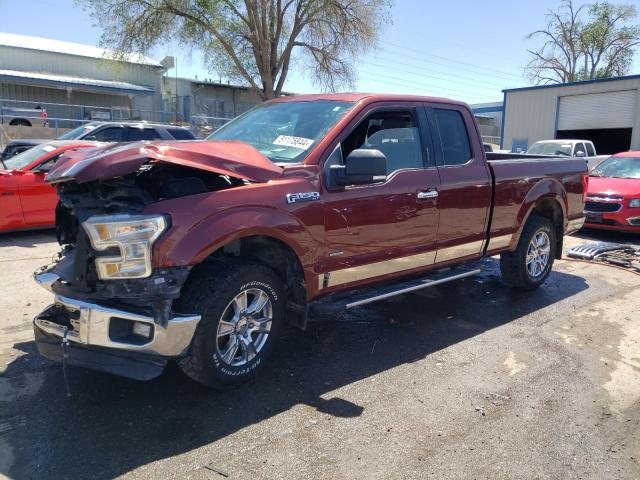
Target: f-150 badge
302 197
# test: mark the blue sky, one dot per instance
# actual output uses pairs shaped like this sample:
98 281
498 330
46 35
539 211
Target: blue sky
462 49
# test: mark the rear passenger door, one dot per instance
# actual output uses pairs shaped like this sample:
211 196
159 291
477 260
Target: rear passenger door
464 196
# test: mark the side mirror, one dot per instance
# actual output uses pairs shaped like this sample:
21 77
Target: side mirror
580 154
362 166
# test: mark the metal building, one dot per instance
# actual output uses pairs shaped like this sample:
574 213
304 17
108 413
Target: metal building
605 111
70 75
489 118
206 98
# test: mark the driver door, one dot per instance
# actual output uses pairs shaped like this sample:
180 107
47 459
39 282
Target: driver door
389 227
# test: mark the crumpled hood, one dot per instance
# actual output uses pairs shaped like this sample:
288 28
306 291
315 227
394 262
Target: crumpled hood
232 158
627 187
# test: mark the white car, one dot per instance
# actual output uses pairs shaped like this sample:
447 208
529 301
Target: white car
569 148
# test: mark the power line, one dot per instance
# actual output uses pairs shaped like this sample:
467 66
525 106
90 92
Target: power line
422 71
427 75
431 92
422 54
451 67
479 50
391 77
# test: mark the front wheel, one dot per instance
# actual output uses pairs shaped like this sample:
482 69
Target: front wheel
242 312
530 264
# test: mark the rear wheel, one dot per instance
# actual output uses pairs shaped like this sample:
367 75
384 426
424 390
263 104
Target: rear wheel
242 312
530 264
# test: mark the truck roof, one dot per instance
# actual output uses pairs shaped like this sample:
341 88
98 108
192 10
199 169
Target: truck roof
368 97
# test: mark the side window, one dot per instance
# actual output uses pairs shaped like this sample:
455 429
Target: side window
181 133
48 165
453 136
590 150
137 134
111 134
393 132
579 148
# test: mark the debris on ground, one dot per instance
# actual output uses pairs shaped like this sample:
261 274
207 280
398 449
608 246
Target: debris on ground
620 255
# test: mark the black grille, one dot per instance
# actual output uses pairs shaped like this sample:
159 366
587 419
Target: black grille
602 207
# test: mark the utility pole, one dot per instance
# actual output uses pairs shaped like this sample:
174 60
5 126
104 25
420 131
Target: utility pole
177 103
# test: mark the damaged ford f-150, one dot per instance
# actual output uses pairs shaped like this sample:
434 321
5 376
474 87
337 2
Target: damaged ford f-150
202 251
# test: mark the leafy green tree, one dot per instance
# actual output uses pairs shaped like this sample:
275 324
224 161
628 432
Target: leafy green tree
585 43
254 41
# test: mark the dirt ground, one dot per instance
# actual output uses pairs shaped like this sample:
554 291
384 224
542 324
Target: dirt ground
467 380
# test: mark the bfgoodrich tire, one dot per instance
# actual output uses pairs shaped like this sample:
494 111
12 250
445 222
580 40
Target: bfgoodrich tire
530 264
242 307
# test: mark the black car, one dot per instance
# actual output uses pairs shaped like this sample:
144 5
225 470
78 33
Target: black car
107 132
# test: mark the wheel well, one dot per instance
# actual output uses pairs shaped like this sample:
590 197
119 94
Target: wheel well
278 256
20 121
551 210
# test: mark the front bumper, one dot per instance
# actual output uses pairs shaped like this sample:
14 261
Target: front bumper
111 330
624 220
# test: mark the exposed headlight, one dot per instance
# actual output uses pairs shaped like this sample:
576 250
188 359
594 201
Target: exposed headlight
133 235
635 203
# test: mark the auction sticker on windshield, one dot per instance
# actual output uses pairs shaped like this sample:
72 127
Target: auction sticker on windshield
295 142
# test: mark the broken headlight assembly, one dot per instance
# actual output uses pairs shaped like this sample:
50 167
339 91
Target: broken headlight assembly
132 235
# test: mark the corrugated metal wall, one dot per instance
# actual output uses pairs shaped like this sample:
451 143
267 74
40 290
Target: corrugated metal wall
532 114
21 59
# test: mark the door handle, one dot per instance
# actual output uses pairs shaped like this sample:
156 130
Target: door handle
427 195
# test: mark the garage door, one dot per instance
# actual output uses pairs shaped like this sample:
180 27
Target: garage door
597 110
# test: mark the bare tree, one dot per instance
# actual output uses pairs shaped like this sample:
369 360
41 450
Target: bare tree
255 41
574 48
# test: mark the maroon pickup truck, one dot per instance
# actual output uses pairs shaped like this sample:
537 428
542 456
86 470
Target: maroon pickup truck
201 251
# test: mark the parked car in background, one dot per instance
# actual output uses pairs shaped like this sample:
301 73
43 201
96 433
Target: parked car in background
206 253
568 148
27 200
613 198
108 132
26 117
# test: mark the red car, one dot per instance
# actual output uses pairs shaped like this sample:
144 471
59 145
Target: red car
613 198
26 200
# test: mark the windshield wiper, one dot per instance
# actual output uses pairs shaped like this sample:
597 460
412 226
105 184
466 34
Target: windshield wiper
4 165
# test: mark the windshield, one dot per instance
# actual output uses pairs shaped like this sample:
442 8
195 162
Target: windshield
618 167
76 132
23 159
284 132
541 148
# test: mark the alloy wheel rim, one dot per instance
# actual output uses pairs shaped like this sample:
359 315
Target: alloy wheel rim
244 327
538 254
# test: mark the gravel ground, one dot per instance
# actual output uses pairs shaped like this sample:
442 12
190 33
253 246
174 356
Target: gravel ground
504 384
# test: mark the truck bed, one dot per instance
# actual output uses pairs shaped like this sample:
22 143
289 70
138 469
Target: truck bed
519 179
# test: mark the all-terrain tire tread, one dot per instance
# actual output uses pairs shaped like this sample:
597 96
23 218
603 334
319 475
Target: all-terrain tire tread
202 290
